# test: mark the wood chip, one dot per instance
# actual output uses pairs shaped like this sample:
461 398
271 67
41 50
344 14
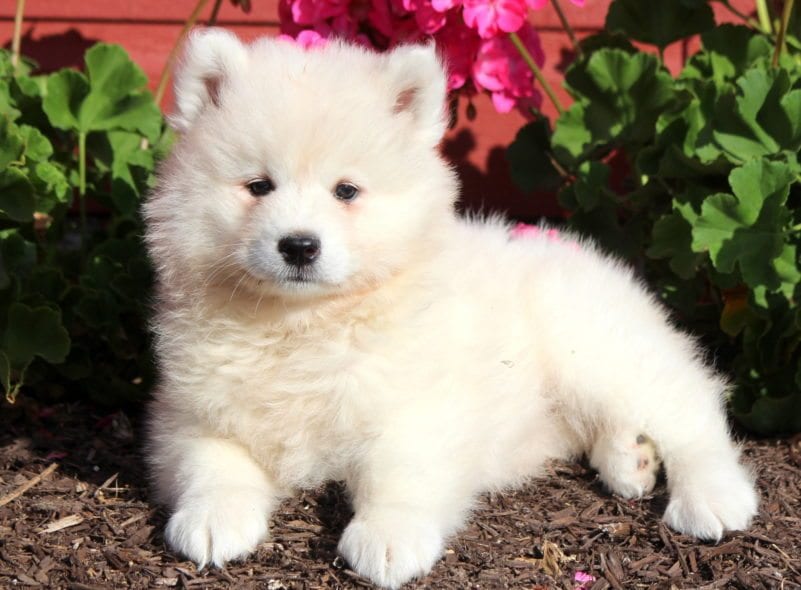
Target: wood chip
28 485
62 523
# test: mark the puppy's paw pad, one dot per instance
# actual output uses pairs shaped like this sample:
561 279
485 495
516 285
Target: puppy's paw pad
218 527
647 459
391 549
627 465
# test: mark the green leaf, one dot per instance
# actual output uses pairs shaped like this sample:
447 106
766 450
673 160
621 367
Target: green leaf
8 106
129 167
35 332
17 255
66 91
773 415
591 182
729 50
5 378
571 137
47 282
37 146
112 97
16 195
52 187
672 238
747 228
619 98
659 22
115 100
11 142
786 267
758 118
98 310
530 159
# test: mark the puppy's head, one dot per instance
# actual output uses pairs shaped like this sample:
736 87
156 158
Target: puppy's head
300 172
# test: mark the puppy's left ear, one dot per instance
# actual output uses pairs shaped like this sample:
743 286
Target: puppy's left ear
419 88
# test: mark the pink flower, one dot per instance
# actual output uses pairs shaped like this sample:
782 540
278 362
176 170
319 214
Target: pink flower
444 5
499 69
307 39
470 35
309 12
380 16
525 231
489 17
459 45
584 579
429 20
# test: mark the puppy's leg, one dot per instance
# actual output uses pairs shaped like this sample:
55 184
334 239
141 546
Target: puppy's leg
403 513
627 462
677 402
220 498
623 368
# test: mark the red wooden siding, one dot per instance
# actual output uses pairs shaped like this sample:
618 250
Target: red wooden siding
56 32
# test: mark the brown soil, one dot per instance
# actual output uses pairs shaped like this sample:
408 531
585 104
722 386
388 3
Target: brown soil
89 524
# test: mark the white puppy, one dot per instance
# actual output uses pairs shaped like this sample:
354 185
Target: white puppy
323 314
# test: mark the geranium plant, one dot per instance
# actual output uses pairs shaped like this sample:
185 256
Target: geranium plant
73 286
694 178
488 45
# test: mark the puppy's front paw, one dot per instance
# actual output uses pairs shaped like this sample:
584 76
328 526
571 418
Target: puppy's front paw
714 501
218 526
391 548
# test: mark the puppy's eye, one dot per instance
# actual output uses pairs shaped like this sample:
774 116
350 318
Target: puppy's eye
346 191
260 187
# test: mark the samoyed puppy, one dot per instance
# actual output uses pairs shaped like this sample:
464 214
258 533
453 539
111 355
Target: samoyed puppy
322 314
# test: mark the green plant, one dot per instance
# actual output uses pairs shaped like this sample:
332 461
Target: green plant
77 151
695 179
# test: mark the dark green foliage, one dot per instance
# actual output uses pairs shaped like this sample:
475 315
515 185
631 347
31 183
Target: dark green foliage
74 287
710 203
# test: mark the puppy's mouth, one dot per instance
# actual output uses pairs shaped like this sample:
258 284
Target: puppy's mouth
299 276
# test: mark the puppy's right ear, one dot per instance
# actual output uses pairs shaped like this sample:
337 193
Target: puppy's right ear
211 57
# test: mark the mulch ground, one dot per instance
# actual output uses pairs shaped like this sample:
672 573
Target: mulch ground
88 524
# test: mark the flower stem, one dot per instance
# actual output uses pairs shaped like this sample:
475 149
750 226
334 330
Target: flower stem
82 186
17 38
165 73
764 16
527 57
215 10
788 10
566 26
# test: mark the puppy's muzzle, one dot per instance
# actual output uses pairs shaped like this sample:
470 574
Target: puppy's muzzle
299 249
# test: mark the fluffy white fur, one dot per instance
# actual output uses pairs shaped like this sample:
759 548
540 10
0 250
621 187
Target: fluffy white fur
424 359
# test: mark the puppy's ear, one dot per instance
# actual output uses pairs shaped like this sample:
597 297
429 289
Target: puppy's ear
419 87
211 57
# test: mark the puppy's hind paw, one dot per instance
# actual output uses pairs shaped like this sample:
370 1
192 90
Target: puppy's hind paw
218 526
627 464
390 548
716 501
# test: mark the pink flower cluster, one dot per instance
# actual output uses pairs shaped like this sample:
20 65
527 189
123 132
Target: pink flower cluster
473 36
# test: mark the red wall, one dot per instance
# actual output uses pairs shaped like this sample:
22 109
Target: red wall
56 32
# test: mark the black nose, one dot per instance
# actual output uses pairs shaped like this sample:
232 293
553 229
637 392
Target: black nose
299 249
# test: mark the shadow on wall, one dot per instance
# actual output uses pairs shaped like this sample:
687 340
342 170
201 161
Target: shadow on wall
492 189
52 52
